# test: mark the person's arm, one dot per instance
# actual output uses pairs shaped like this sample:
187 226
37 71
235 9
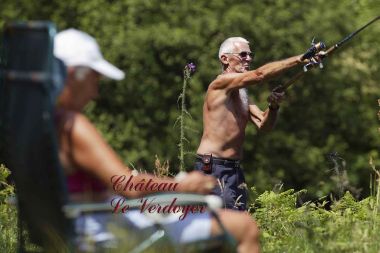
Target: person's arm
92 154
231 81
265 120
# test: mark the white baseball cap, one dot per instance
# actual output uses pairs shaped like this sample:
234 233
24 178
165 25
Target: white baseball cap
76 48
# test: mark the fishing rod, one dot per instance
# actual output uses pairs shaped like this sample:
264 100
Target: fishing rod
313 51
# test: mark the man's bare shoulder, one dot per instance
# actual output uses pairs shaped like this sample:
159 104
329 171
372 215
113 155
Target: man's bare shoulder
215 95
231 81
222 81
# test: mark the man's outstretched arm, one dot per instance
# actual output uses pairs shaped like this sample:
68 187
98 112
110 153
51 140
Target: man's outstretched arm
232 81
274 69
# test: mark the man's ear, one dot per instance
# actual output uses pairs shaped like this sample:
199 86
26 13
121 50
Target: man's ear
224 59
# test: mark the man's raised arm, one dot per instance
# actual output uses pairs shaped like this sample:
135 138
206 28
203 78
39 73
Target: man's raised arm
232 81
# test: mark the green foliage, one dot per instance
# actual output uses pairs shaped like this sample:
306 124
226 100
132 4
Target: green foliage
8 217
347 227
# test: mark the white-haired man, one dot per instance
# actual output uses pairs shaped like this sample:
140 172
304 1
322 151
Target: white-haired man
226 112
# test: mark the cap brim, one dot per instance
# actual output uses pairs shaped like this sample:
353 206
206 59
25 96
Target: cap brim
108 70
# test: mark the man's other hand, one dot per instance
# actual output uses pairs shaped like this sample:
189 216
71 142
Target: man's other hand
275 98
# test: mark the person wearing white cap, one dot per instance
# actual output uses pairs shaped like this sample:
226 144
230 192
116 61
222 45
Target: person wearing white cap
76 48
90 163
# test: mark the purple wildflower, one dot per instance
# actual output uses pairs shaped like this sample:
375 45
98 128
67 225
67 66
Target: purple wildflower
191 66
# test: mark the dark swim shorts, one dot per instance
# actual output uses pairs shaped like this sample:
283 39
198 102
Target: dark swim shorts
231 186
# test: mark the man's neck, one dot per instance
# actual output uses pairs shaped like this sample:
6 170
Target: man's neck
227 70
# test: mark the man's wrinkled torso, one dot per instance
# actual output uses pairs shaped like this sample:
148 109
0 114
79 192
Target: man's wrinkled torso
225 118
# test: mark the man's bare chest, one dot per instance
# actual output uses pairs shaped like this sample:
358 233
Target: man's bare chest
237 104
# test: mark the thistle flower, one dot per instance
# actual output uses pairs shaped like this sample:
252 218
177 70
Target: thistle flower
189 70
191 66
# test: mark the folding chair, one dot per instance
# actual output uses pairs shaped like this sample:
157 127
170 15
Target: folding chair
31 79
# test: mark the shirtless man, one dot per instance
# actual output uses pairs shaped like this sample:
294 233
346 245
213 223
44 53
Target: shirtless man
90 163
226 112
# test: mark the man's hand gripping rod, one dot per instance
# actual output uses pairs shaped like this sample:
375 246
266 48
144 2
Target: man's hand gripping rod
311 52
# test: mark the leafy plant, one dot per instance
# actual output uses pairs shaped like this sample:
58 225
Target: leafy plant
8 214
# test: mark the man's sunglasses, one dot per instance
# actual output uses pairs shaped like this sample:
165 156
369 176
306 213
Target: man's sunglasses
244 54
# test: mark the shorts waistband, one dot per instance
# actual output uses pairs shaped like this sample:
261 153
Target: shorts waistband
221 161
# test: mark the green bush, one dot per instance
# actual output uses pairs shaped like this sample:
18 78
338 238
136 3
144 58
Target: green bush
8 214
350 225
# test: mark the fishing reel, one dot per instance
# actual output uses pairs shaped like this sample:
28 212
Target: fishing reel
311 53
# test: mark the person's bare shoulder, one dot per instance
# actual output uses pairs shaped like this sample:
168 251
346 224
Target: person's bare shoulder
84 132
89 149
222 81
83 125
231 81
216 94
